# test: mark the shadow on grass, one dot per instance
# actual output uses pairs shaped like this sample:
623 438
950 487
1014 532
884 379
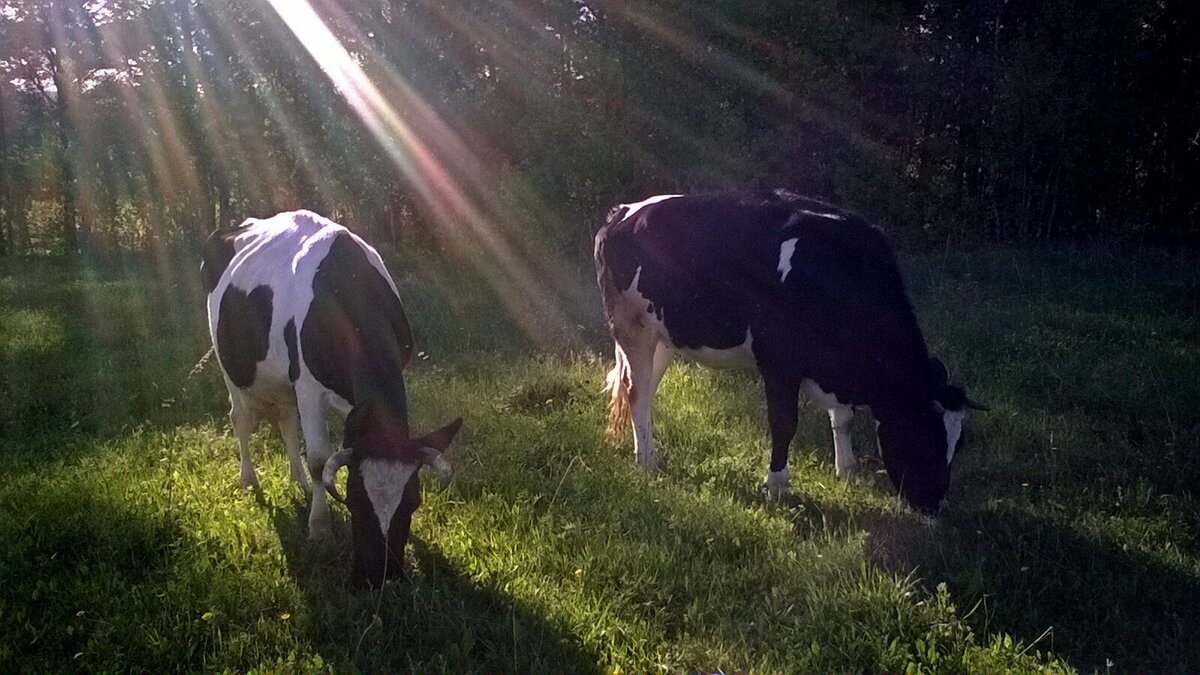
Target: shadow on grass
437 619
84 357
1034 579
1029 575
78 574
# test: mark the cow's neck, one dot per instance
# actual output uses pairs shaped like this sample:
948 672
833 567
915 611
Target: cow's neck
386 390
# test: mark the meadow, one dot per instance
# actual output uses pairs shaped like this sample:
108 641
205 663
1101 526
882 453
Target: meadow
1072 542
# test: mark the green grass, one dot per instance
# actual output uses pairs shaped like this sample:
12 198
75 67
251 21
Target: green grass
1073 539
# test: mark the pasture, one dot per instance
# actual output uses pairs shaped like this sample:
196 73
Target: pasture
1073 540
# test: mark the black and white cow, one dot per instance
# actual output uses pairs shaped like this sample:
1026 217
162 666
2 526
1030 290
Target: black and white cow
305 318
808 294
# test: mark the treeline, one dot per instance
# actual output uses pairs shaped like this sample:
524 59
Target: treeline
134 125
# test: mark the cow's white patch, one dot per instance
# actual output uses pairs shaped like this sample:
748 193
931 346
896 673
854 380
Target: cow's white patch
385 481
638 304
840 416
844 461
739 356
834 216
634 292
339 404
953 419
786 249
817 395
638 206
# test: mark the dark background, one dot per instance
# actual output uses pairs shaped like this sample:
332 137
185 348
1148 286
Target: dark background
129 127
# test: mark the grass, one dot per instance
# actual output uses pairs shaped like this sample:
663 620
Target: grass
1072 543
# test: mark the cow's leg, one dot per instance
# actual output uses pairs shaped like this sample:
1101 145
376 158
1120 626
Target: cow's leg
312 409
244 420
663 354
783 416
843 452
640 350
289 428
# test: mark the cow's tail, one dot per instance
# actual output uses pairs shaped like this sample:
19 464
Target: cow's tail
199 367
617 385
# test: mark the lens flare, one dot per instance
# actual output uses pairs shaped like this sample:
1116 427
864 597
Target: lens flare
431 157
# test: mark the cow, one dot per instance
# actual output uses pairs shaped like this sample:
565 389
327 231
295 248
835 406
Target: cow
305 318
808 294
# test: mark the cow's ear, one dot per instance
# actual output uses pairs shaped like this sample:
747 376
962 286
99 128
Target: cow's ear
359 422
940 375
440 439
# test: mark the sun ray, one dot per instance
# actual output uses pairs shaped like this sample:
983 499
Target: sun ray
429 155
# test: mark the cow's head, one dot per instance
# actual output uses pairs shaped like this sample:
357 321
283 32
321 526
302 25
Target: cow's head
918 442
952 403
383 488
912 441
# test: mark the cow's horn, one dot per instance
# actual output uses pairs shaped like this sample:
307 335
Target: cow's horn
329 475
439 463
974 405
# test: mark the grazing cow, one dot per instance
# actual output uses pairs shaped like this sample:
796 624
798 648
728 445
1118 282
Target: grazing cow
304 318
808 294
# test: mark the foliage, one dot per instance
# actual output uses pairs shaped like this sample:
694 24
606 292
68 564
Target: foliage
150 122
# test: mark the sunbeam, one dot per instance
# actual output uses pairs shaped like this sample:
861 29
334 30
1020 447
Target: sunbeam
461 223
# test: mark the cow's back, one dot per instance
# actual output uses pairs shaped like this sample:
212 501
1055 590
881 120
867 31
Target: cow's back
271 282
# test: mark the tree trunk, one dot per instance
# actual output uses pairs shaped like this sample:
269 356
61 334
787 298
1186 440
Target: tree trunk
6 238
67 167
70 232
224 215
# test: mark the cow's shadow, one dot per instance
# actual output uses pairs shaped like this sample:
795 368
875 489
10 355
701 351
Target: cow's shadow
436 619
1011 569
1016 573
1032 577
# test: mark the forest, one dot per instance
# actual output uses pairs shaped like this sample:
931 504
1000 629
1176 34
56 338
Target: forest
1034 164
133 126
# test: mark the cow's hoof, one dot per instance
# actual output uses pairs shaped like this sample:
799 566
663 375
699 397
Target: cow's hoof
249 481
650 464
847 471
776 484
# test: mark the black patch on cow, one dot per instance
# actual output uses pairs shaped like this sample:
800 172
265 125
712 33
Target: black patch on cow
289 339
243 332
215 256
356 337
